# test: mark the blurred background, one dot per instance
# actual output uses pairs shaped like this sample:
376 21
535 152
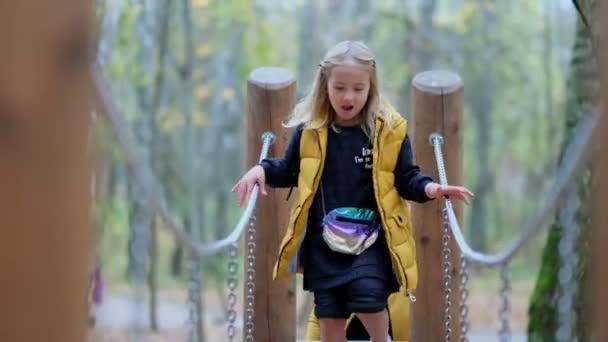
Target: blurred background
178 69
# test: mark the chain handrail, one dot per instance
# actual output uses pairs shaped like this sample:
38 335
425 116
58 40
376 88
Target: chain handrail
146 182
568 257
504 313
446 254
577 154
249 328
144 176
232 296
268 139
210 248
463 292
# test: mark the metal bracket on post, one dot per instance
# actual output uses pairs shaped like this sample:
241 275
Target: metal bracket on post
435 136
269 135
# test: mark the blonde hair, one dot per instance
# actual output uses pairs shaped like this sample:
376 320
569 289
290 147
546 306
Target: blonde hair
315 111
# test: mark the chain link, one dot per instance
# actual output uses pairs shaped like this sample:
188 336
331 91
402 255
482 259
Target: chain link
464 296
139 254
194 299
504 314
568 286
447 278
232 284
250 282
566 278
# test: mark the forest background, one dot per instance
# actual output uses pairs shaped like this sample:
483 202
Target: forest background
178 71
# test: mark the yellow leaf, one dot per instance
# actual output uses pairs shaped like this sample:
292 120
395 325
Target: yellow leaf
170 121
203 50
441 21
200 3
228 94
199 119
135 10
468 10
201 92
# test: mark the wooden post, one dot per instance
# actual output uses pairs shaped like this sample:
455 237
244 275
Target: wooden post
44 174
437 107
270 97
599 274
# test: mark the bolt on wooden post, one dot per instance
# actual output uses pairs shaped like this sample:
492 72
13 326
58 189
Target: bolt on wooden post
270 97
437 98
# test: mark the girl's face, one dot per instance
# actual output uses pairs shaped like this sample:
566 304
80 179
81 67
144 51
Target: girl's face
348 88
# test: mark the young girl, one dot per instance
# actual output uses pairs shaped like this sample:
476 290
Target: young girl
349 231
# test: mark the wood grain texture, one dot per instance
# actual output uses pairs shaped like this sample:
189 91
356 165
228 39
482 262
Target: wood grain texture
271 97
437 107
44 171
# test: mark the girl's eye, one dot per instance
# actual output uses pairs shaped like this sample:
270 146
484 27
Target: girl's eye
359 90
339 88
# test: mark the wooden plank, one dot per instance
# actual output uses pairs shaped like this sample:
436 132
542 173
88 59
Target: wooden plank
44 174
271 97
437 107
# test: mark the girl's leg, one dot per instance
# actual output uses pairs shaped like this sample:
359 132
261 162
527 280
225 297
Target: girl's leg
376 325
367 298
332 314
332 329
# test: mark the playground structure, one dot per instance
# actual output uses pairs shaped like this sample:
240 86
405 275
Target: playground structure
443 252
57 191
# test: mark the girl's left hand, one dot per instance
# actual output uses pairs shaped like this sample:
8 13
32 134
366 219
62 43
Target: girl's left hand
435 190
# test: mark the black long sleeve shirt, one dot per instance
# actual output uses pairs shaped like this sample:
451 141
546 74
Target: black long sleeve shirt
347 182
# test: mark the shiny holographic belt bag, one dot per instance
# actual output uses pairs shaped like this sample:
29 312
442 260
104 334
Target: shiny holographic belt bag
349 230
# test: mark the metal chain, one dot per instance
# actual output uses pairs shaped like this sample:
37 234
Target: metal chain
577 151
232 284
447 278
504 333
139 253
576 155
194 299
464 296
250 282
566 275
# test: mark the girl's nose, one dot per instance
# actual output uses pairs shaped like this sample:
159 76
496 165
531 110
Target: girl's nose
348 97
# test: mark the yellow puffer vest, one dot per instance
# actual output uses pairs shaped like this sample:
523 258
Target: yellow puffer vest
392 208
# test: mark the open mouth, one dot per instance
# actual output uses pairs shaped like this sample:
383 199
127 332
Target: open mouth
347 108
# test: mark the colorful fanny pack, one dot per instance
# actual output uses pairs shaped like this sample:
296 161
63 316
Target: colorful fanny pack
349 230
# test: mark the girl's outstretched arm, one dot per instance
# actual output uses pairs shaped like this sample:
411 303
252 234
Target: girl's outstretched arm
409 180
283 172
435 190
276 172
414 185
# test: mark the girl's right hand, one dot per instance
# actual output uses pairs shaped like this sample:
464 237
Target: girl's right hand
245 185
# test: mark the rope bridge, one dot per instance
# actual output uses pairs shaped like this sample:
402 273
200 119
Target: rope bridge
576 156
147 183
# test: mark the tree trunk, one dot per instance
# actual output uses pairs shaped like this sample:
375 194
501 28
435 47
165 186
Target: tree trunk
186 72
151 111
149 99
543 312
153 276
310 47
425 55
481 97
